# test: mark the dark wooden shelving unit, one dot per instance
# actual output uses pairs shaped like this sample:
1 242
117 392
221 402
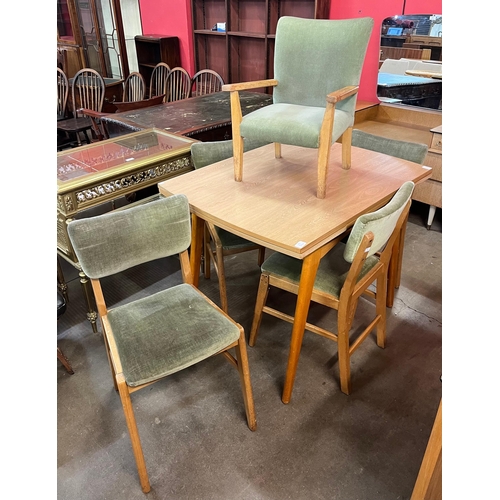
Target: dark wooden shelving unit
245 51
152 49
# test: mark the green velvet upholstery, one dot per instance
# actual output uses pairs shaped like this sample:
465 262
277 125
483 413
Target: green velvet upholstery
206 153
313 57
335 265
165 332
115 241
410 151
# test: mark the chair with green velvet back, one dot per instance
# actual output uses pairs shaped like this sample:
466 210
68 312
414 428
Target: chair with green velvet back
219 243
411 151
344 274
154 334
317 69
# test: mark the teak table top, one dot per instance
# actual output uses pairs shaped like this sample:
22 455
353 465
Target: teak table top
276 205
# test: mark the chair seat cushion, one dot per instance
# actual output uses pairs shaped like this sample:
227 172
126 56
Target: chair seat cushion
75 124
332 270
167 332
291 124
232 241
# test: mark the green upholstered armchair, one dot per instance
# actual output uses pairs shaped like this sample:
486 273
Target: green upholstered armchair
411 151
343 275
219 243
156 334
317 68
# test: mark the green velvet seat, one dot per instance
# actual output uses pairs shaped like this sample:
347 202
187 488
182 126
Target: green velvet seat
343 275
317 69
411 151
219 243
155 334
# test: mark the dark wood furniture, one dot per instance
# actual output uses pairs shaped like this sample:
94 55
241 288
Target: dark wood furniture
206 118
152 49
245 50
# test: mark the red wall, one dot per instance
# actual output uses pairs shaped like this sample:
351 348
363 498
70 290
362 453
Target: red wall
173 17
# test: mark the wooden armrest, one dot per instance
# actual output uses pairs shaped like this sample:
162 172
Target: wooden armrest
91 113
339 95
249 85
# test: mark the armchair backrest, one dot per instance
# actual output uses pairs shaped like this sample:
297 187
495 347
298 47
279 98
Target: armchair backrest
381 223
314 57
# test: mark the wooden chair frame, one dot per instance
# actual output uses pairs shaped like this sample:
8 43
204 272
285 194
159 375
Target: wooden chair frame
213 249
178 84
62 94
158 80
206 81
134 87
324 137
345 305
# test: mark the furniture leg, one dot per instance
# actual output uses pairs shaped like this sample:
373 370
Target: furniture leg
346 149
64 360
430 218
198 226
89 297
244 371
61 282
133 432
259 306
308 275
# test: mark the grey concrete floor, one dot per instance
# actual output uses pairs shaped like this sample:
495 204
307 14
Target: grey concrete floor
322 445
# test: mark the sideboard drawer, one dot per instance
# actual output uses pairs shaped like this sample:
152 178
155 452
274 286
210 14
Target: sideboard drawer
435 161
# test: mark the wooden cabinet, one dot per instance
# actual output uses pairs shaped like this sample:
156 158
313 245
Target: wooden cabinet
244 51
152 49
411 124
430 191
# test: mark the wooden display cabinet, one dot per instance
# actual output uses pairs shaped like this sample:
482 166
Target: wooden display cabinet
245 51
152 49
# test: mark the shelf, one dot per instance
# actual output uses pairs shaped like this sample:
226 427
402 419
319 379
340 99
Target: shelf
245 52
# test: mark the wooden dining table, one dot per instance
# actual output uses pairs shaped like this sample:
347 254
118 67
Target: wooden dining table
275 205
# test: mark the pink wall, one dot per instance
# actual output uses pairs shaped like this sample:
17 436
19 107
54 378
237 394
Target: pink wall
173 17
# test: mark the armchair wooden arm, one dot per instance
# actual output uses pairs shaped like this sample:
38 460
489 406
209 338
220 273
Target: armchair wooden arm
97 124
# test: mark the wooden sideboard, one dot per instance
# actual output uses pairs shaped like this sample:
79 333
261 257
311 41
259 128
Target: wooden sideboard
411 124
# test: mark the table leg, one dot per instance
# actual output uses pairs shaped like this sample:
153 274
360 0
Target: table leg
197 228
89 297
308 275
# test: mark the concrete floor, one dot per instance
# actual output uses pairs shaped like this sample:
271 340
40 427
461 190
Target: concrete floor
323 445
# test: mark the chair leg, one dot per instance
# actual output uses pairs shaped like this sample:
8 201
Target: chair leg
244 371
346 149
262 256
259 306
277 150
381 308
344 326
219 255
323 158
207 252
64 360
134 433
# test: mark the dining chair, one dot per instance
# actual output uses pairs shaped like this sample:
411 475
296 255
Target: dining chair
178 84
158 80
206 81
317 68
134 87
344 274
87 91
411 151
155 333
62 94
217 242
